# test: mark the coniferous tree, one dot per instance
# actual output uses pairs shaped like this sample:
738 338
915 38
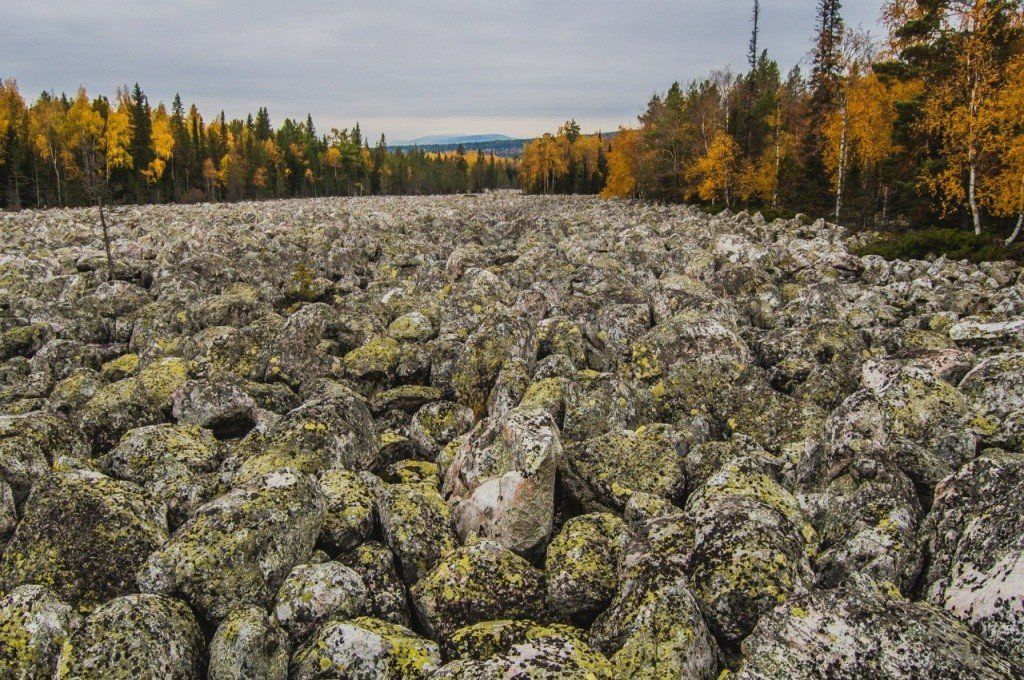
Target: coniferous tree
141 148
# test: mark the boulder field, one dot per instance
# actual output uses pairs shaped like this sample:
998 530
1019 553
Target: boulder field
502 436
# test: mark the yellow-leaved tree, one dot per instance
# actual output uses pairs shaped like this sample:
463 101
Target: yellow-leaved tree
1003 193
623 165
717 171
163 145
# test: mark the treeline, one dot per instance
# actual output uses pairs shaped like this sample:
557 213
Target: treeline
61 151
568 162
923 128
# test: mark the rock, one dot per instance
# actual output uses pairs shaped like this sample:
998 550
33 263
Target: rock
115 409
580 566
335 432
605 471
858 631
751 547
375 564
365 649
996 388
974 549
155 455
501 483
249 645
219 405
437 423
517 648
237 550
83 535
34 625
314 593
498 339
413 326
653 627
978 332
349 508
415 522
28 445
136 636
474 583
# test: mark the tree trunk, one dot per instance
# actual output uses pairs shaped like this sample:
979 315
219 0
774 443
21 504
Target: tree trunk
106 241
972 184
842 165
1016 231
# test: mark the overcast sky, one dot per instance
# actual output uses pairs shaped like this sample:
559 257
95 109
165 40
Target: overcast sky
517 67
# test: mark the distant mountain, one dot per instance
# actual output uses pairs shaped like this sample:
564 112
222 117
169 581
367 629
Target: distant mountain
448 140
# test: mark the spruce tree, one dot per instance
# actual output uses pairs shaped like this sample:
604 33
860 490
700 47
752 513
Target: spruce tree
142 138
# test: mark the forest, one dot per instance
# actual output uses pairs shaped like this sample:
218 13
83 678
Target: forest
67 151
922 128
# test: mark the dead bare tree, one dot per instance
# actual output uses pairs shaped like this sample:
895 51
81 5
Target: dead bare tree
97 186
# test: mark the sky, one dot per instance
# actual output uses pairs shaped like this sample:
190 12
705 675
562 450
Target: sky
407 69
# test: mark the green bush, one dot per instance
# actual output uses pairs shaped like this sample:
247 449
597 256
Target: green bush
955 244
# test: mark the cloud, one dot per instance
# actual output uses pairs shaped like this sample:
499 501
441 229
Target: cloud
405 68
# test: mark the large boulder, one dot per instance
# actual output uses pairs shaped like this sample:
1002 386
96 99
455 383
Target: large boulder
501 483
416 524
145 637
313 593
83 535
34 624
605 471
859 630
474 583
237 550
249 645
974 549
365 649
580 565
333 432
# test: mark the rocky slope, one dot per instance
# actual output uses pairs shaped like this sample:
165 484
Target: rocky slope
503 437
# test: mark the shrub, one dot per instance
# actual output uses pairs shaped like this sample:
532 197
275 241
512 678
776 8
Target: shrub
955 244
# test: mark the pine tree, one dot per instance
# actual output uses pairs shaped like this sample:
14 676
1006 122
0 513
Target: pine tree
141 147
752 54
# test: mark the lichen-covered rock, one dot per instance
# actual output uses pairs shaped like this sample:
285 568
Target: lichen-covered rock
313 593
413 326
437 423
34 624
867 521
219 404
30 443
687 335
115 409
498 339
654 628
161 379
501 483
375 564
605 471
349 508
334 432
478 582
145 637
365 649
974 549
752 546
523 649
996 387
376 360
859 630
596 403
83 535
237 550
155 455
416 524
580 565
249 645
